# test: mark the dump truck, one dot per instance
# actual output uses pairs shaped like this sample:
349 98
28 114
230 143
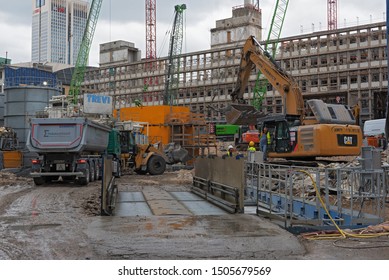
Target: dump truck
68 147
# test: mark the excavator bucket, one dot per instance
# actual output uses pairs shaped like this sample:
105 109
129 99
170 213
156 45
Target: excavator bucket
242 114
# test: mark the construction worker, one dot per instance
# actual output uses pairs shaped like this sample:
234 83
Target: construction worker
264 141
251 147
230 151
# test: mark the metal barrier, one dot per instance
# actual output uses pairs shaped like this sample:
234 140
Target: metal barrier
350 197
109 190
220 181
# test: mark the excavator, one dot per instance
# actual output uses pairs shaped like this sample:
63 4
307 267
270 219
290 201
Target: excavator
330 131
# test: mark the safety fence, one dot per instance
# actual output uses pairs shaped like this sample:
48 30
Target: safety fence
318 197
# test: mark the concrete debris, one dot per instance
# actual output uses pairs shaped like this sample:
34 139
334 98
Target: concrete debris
304 186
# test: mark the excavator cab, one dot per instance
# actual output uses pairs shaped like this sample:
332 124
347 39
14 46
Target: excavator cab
283 133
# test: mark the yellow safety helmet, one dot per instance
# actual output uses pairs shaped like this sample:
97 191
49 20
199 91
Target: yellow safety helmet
251 144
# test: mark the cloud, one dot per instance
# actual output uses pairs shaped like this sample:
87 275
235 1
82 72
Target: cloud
125 20
15 40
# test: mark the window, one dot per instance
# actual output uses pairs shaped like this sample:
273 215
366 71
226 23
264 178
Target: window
39 3
363 55
323 60
332 112
353 57
375 76
314 61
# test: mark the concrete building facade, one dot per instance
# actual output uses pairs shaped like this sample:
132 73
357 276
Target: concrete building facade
57 30
346 66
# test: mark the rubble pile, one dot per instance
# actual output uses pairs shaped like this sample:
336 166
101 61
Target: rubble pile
10 179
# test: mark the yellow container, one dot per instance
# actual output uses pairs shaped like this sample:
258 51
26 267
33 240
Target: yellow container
12 159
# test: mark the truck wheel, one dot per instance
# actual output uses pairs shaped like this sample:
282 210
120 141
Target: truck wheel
156 165
85 180
39 181
92 172
97 172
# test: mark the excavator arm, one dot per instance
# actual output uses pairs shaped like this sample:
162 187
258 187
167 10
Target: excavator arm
254 56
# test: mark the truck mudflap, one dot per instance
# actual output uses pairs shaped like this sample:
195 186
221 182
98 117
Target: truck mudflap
242 114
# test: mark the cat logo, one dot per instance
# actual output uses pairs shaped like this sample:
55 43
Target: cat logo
348 140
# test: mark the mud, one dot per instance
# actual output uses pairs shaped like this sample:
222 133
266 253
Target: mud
60 221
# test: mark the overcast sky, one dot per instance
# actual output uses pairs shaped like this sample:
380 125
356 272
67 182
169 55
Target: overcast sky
125 20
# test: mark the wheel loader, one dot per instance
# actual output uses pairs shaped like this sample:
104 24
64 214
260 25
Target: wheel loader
146 158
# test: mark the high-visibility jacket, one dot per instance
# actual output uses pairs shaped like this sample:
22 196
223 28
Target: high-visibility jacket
268 137
251 149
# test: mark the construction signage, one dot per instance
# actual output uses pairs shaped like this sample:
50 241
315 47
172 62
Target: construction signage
97 104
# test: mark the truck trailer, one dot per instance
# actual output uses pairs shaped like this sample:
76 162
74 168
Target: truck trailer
68 147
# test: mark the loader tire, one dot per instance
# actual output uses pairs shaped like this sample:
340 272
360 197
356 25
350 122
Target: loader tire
156 165
141 172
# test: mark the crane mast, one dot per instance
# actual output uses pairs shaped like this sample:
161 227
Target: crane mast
332 16
151 43
83 53
276 25
175 48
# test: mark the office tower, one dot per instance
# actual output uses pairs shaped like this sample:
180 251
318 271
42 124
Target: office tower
57 30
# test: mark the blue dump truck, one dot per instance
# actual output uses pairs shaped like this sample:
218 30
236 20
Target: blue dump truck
70 148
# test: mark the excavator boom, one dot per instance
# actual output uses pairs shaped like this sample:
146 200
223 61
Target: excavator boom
253 55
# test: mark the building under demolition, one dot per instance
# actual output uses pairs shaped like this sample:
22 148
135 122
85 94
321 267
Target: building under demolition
346 66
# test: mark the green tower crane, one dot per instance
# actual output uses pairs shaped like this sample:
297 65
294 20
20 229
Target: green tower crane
83 53
175 48
276 25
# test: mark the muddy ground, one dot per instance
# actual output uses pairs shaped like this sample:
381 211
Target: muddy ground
61 221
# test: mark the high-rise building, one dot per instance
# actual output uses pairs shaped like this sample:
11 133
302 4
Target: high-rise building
57 30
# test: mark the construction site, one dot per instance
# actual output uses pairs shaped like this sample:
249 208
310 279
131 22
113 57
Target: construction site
261 147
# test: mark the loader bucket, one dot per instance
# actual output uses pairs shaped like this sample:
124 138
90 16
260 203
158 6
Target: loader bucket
242 114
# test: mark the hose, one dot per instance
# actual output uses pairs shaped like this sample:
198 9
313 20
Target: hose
341 233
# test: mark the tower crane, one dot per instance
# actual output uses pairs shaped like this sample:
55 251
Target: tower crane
83 53
175 48
276 25
332 14
151 26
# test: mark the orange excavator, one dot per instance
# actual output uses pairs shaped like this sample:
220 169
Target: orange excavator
330 132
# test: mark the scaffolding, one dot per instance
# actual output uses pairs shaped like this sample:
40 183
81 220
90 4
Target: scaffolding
191 131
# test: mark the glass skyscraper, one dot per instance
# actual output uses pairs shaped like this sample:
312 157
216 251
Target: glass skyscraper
57 30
